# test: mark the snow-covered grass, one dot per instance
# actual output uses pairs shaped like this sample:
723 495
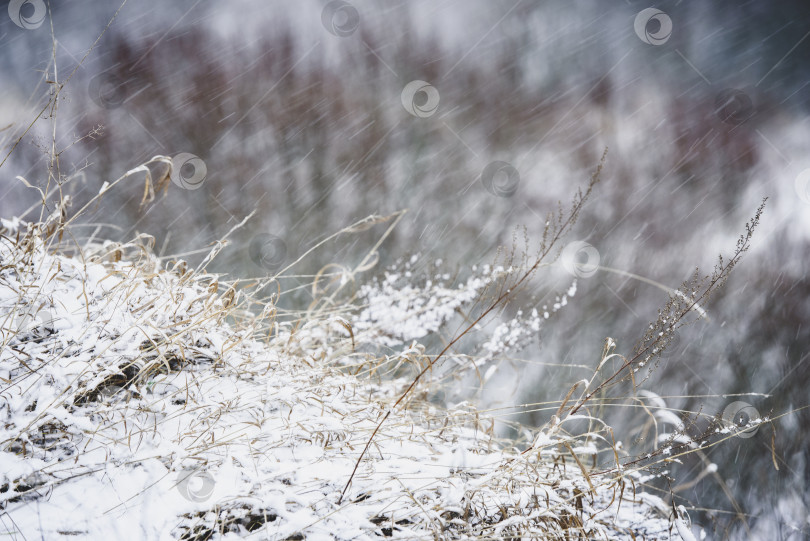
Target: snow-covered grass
140 398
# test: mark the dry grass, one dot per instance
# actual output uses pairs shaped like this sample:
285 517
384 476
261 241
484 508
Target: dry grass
125 376
116 362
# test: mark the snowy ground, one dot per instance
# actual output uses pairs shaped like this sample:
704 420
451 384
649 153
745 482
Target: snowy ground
131 408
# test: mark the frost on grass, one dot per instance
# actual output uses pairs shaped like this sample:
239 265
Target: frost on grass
134 404
396 311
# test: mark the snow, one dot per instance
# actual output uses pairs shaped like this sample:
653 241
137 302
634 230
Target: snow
396 312
136 409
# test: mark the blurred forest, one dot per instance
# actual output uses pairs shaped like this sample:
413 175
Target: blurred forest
296 110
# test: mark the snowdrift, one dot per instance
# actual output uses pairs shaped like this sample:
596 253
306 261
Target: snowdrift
140 400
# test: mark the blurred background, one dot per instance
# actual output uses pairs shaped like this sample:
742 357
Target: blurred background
476 116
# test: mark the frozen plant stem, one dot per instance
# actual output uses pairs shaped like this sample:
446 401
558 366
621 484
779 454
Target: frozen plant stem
554 229
653 344
59 86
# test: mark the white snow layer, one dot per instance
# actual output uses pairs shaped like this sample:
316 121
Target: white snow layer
130 409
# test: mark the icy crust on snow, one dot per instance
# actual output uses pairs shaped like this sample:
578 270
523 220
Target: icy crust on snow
129 408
